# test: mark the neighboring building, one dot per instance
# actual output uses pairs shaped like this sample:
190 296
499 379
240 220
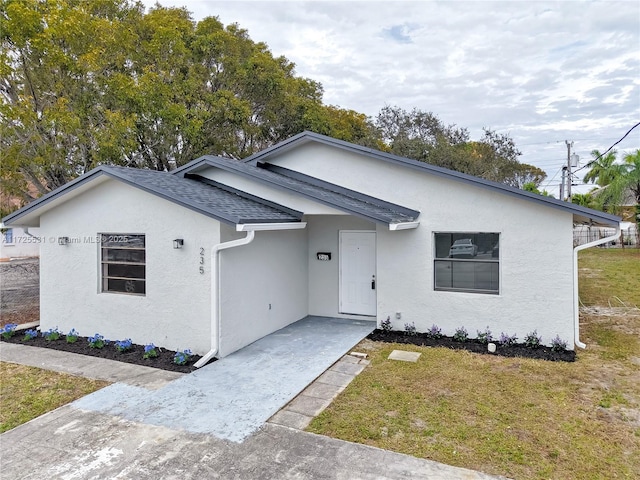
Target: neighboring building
219 253
16 242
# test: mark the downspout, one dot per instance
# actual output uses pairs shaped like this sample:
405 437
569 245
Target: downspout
215 294
576 306
26 230
251 229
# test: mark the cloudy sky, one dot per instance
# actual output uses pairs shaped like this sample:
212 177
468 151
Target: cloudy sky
542 72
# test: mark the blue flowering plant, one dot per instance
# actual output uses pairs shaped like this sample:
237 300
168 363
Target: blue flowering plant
8 330
30 334
150 351
123 345
461 335
181 358
52 334
484 337
385 325
434 332
97 341
72 336
558 345
507 340
410 329
532 340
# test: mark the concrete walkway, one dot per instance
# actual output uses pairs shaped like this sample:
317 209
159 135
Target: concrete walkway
209 424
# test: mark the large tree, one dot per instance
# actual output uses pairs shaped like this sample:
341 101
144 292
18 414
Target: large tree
87 83
423 136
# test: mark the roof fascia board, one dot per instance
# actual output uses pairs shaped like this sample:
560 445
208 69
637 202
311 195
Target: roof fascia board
353 211
336 188
306 137
54 195
244 194
403 226
245 227
188 167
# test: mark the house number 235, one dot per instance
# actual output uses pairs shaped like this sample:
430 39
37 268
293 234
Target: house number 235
201 267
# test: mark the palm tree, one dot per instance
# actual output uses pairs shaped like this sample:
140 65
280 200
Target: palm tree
625 184
623 180
584 200
603 168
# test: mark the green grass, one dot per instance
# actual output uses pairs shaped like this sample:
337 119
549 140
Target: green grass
526 419
610 277
28 392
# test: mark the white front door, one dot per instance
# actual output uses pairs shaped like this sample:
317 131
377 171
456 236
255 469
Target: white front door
358 273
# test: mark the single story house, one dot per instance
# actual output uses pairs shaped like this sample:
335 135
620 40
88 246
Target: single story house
219 253
16 242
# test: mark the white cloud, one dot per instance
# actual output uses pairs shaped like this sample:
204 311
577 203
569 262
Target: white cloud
541 71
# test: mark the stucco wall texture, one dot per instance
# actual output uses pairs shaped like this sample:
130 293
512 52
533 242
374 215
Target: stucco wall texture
277 279
536 265
174 313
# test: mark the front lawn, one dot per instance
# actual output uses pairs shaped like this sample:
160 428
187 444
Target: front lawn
27 392
521 418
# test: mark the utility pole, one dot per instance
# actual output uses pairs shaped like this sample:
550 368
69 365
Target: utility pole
569 179
572 161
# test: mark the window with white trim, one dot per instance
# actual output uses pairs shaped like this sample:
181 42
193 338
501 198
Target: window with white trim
123 259
7 236
467 262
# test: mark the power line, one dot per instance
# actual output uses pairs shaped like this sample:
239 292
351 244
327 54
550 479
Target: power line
608 149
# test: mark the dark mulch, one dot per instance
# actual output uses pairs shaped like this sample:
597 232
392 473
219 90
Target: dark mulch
518 350
164 360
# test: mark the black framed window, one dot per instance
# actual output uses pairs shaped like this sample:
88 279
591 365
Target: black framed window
467 262
123 260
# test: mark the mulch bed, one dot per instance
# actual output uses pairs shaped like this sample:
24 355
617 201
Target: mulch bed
163 361
517 350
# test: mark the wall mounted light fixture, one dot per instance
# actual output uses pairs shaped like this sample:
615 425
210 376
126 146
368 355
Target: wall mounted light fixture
178 243
63 240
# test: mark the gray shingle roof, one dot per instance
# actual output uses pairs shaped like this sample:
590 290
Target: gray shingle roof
220 202
318 190
581 214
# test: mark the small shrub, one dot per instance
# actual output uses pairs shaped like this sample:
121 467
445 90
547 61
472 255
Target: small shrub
8 330
72 336
434 332
461 335
484 337
97 341
52 334
123 345
507 340
558 345
385 325
150 351
532 340
181 358
410 329
30 334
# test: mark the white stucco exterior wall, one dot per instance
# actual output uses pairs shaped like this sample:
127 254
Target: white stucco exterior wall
263 285
174 313
324 276
535 248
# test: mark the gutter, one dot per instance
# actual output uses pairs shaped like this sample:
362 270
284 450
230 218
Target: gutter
215 276
576 305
